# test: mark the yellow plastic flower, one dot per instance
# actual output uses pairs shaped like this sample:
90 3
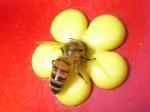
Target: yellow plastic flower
104 33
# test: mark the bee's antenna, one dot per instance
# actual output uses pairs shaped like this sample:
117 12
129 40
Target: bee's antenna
73 39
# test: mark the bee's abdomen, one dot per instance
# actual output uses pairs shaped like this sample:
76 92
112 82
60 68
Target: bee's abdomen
60 71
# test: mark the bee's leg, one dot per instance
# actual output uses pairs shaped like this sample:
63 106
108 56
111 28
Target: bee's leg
73 39
53 62
62 50
87 59
77 71
82 77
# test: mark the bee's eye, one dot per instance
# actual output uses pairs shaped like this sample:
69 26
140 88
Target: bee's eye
70 52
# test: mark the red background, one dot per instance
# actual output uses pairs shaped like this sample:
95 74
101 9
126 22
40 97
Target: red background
23 22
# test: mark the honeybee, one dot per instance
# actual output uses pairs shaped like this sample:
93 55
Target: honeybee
60 71
74 52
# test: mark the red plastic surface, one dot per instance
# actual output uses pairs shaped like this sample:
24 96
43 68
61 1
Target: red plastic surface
24 22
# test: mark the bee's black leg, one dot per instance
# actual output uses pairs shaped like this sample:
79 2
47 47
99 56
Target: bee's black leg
87 59
62 50
53 62
77 71
82 77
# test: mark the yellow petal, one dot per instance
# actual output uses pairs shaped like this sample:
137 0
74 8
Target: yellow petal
105 32
42 58
75 91
70 23
109 70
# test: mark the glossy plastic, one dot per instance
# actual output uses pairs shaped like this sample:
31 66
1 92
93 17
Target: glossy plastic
24 22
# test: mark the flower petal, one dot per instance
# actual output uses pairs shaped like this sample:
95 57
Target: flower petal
75 90
109 70
42 58
69 23
105 32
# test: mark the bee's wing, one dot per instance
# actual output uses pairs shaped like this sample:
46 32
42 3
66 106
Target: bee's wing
51 43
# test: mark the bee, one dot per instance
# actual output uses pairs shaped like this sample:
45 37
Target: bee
60 71
73 53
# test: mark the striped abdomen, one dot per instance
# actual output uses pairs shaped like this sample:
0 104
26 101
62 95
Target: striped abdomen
60 72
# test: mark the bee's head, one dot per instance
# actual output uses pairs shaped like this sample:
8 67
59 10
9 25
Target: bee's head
75 48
